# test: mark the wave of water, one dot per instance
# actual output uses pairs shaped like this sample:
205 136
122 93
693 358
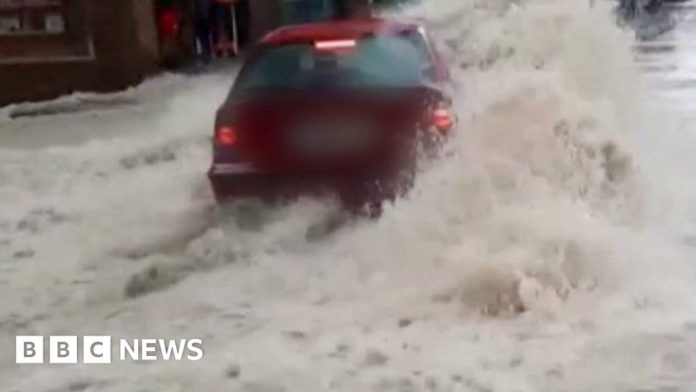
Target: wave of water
545 253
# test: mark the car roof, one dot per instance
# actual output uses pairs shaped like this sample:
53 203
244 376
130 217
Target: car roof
344 29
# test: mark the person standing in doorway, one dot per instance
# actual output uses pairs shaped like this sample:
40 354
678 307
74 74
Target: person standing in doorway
224 34
202 20
169 22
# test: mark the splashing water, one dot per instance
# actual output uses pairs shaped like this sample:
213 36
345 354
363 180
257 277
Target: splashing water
543 254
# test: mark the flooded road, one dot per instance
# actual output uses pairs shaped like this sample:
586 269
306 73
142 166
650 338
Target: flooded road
669 61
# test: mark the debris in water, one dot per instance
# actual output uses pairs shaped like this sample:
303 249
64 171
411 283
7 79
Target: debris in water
376 358
233 371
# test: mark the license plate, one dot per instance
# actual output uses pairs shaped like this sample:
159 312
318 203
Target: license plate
334 137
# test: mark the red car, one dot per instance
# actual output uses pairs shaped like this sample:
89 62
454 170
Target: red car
344 106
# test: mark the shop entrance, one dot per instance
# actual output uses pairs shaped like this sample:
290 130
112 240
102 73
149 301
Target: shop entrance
230 26
202 29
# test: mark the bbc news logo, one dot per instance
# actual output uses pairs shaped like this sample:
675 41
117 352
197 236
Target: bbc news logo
98 349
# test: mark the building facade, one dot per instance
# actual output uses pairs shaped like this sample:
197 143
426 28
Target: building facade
54 47
50 48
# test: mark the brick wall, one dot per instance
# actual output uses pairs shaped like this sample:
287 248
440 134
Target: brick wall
124 48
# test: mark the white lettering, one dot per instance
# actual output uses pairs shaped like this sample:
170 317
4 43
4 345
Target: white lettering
96 349
63 349
195 346
132 351
172 347
148 349
29 349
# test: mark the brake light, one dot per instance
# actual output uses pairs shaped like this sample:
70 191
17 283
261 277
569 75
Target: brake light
226 136
443 120
335 44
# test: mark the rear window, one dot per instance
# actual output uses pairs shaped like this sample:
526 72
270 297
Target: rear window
398 60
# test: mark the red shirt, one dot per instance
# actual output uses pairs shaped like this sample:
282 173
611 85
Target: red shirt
168 22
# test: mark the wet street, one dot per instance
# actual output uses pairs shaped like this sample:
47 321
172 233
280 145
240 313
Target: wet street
669 60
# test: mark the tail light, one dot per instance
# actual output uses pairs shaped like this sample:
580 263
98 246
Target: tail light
443 120
226 136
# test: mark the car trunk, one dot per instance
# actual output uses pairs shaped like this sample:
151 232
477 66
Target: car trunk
321 130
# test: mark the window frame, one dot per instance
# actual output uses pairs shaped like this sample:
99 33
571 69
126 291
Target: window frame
23 13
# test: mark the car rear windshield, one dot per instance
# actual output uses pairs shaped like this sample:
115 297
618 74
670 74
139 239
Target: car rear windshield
394 60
